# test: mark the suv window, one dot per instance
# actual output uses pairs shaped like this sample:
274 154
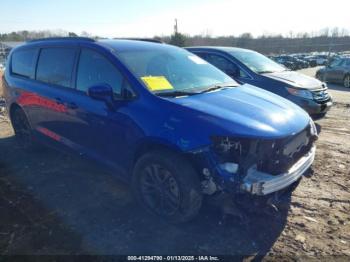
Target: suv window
95 69
23 62
224 64
56 65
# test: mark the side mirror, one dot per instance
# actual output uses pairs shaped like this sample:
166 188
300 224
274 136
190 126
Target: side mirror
101 92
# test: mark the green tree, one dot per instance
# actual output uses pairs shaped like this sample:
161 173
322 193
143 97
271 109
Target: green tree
72 34
178 39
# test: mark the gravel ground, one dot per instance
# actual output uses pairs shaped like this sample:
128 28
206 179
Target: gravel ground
51 203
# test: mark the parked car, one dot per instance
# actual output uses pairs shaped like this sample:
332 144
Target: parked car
321 59
282 62
291 62
160 117
300 59
312 60
247 66
336 72
288 63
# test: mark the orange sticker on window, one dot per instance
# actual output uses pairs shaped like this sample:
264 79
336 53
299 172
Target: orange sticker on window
157 83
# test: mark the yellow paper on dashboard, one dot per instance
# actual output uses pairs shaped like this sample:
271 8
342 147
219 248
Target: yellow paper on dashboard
157 83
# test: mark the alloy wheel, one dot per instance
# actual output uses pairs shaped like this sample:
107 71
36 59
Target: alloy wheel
160 190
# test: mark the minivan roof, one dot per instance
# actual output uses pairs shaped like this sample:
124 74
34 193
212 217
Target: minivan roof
220 48
116 44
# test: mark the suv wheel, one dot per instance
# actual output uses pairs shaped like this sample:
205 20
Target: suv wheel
347 81
167 185
23 131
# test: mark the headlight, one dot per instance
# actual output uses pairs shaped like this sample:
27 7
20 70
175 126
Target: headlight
300 92
313 129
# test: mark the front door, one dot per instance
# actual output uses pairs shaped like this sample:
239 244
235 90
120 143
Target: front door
98 129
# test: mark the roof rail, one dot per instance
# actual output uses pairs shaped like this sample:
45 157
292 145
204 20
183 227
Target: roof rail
62 39
152 40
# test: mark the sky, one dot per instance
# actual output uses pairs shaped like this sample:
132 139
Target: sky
146 18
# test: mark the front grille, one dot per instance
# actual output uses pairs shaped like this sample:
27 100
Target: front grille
321 95
279 156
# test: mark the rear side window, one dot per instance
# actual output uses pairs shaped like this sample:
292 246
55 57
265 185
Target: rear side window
55 66
23 62
95 69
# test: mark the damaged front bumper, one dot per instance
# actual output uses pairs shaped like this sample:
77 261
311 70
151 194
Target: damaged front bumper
260 183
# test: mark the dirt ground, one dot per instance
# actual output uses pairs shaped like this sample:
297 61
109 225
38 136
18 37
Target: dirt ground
51 203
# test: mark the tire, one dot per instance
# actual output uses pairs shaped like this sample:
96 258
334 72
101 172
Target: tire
346 81
168 186
23 131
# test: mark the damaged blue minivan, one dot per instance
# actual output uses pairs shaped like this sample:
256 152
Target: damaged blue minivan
158 116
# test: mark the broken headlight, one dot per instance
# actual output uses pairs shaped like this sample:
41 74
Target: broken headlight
229 152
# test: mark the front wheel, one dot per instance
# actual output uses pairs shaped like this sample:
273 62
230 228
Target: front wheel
168 186
346 81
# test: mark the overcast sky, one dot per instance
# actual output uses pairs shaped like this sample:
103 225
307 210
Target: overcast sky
131 18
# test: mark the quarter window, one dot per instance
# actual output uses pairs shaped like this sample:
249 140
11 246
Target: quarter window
55 66
23 62
94 69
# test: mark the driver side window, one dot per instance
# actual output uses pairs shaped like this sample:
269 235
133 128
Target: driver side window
225 65
94 69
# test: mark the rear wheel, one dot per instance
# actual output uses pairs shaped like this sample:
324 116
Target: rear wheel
346 81
167 185
22 128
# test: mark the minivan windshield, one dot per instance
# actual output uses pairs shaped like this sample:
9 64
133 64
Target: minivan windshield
173 70
257 62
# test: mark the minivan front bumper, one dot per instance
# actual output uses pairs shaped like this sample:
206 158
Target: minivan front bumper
260 183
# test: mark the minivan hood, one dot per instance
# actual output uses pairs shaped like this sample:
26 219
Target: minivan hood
295 79
245 111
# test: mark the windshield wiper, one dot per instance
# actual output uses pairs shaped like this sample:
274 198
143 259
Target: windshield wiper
216 87
175 93
265 72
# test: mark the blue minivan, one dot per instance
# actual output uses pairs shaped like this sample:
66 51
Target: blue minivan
247 66
159 117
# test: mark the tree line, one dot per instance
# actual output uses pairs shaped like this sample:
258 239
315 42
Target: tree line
334 40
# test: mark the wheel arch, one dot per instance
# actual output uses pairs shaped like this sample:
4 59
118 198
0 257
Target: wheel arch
152 144
12 109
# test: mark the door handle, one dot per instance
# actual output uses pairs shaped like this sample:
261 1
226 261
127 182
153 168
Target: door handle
72 105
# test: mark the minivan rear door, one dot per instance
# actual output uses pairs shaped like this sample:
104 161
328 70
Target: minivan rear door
54 91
